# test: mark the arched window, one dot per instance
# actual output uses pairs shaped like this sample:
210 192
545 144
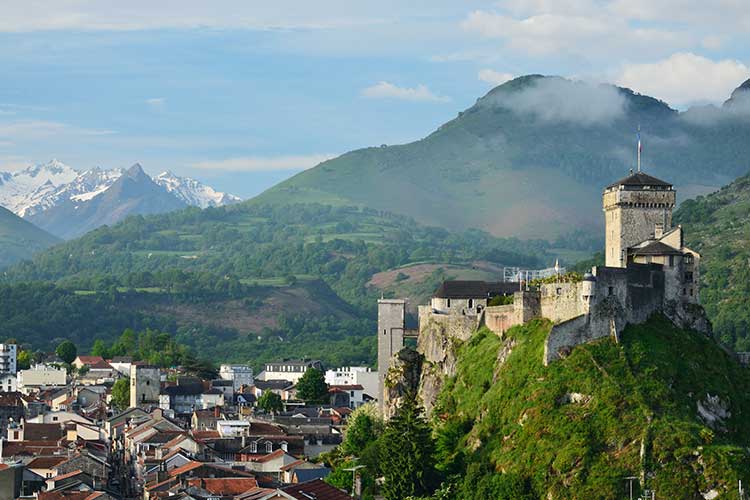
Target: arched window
471 303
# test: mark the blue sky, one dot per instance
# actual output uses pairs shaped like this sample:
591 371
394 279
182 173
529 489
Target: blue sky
242 94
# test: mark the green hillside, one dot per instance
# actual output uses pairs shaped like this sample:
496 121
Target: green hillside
578 428
244 282
718 227
19 238
530 159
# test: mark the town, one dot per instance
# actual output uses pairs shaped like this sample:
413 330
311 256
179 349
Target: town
66 436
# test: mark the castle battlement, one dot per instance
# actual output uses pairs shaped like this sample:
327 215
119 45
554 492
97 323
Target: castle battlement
648 270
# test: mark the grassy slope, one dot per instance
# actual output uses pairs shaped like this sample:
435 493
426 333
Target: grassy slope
19 238
513 174
646 388
718 227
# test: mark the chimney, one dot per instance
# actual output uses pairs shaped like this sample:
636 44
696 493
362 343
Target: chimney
216 412
658 231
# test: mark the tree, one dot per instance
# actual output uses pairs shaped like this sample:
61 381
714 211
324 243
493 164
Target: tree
364 427
406 454
67 351
23 362
270 402
121 393
312 387
100 349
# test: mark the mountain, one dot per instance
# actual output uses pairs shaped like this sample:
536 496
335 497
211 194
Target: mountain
193 192
718 227
132 193
530 158
664 406
43 192
20 238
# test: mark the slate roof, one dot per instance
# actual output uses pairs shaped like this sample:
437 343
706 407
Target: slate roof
655 248
640 179
316 489
460 289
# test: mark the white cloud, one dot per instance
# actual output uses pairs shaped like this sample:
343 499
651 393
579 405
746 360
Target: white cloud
685 78
264 164
387 90
494 77
34 129
157 103
586 34
561 100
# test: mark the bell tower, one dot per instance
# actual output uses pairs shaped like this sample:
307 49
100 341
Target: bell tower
636 209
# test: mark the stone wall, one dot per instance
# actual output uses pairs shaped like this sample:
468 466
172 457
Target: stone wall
500 318
561 301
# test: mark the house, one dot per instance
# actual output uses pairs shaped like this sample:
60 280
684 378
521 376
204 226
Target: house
41 376
203 419
59 417
288 369
239 375
121 364
317 489
352 396
233 428
276 386
354 375
82 361
11 409
45 465
302 471
189 394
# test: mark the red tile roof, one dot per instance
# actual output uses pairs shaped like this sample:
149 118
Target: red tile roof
45 462
42 432
352 387
317 489
291 465
226 485
270 456
66 476
89 360
69 495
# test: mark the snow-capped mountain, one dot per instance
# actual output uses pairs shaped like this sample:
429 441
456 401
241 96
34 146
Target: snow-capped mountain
194 192
53 194
39 187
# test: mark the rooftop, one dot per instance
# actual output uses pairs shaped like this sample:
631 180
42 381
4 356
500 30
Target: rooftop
459 289
640 179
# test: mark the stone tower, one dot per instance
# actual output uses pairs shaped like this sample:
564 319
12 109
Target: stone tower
391 325
145 385
636 208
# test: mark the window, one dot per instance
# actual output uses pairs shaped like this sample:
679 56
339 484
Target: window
611 290
691 292
688 277
253 447
684 291
449 302
284 446
688 259
471 303
671 261
269 446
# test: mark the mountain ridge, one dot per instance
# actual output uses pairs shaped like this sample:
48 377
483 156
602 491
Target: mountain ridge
529 159
42 193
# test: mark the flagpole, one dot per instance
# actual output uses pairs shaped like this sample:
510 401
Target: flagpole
639 148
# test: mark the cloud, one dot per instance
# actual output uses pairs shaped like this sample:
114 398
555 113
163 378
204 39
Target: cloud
561 100
264 164
494 77
36 129
587 34
387 90
685 78
157 103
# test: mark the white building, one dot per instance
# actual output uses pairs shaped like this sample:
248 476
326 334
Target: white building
41 376
233 428
8 382
8 355
288 369
239 374
354 375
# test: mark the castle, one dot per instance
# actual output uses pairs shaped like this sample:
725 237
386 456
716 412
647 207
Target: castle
647 270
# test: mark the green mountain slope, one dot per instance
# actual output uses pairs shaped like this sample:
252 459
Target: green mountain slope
19 239
718 227
530 159
578 428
